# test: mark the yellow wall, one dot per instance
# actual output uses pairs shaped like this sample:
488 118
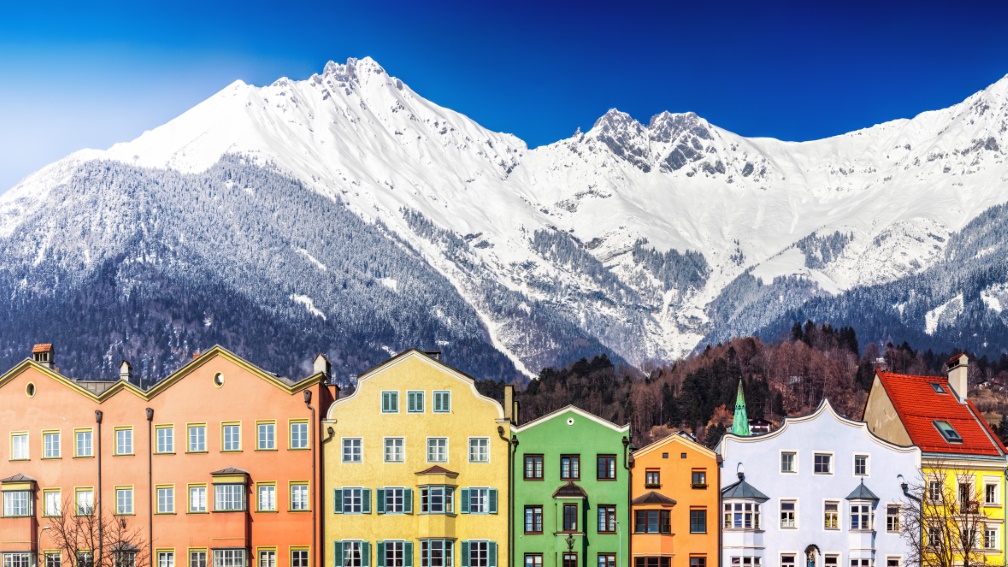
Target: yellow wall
979 474
360 415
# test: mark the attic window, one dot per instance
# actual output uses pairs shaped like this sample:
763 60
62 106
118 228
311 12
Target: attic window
937 387
948 432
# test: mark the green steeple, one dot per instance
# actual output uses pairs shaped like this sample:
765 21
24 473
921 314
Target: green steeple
740 425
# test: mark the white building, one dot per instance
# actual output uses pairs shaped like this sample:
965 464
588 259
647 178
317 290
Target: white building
820 491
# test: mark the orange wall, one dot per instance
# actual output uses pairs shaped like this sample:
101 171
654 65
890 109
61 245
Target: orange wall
675 471
245 396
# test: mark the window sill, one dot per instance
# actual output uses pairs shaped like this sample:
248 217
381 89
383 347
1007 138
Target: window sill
197 512
699 486
165 453
197 452
296 449
83 456
51 458
165 513
652 486
298 511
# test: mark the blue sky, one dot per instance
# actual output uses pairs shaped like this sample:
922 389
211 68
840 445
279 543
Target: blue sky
79 75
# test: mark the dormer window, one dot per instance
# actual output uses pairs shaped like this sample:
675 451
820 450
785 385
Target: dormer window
937 388
948 432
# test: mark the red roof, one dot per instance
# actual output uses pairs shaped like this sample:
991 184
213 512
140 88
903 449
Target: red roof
47 347
919 405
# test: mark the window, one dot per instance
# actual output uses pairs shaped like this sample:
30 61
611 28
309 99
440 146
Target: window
437 500
892 518
51 445
124 500
19 446
860 465
197 498
229 558
570 467
606 467
230 438
299 497
267 497
52 502
298 435
831 560
442 402
164 438
534 468
83 446
395 501
390 402
124 441
860 562
266 436
652 479
896 561
437 449
267 558
860 517
352 553
742 515
196 559
652 521
479 449
17 503
787 514
831 515
990 493
85 559
698 479
788 462
480 553
570 517
606 519
606 560
299 558
698 561
353 501
787 560
16 559
990 535
85 501
393 553
948 432
823 463
745 561
229 497
934 536
53 560
533 519
415 402
937 388
533 560
570 560
165 559
934 492
395 450
197 439
352 451
652 561
436 553
966 497
165 500
124 559
479 500
698 521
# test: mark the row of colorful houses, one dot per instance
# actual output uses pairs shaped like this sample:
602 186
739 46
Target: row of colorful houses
223 464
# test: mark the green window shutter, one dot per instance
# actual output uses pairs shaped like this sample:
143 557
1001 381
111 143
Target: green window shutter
379 559
408 554
338 553
366 501
365 554
493 503
465 505
465 554
380 500
408 502
492 554
338 502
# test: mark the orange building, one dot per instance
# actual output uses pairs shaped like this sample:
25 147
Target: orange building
215 465
674 504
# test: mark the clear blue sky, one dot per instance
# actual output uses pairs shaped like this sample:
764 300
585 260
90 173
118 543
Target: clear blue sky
89 74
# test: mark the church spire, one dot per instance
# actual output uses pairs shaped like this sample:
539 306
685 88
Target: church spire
740 425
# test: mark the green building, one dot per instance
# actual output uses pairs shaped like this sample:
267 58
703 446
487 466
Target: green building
571 491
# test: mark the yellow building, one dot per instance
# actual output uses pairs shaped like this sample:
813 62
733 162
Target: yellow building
416 470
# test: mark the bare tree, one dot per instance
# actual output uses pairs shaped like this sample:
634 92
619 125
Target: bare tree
943 520
89 539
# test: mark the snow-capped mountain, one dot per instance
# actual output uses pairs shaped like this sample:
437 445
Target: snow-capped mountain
347 214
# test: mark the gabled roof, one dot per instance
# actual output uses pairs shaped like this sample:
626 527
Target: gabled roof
229 470
862 493
437 469
919 405
652 497
680 438
17 478
577 410
742 490
570 490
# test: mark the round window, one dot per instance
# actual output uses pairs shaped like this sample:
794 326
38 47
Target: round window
30 390
570 421
218 379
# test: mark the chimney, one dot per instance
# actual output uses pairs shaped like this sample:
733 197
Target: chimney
321 366
958 369
509 402
44 354
125 371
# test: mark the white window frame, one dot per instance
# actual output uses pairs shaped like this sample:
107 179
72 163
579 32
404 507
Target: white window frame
124 441
164 433
19 446
51 445
839 514
124 501
832 462
224 497
794 461
867 459
356 450
80 436
434 450
299 440
474 443
165 499
780 514
997 492
17 503
266 436
197 499
299 500
394 449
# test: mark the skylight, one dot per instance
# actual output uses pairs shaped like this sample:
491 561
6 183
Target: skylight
948 432
937 387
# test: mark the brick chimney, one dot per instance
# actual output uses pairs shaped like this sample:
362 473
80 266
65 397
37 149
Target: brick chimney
958 369
44 354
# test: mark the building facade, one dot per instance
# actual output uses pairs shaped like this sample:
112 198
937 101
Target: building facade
214 465
820 491
674 504
571 490
416 470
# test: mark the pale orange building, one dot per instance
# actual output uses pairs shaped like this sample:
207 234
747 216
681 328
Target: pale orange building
674 504
216 465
